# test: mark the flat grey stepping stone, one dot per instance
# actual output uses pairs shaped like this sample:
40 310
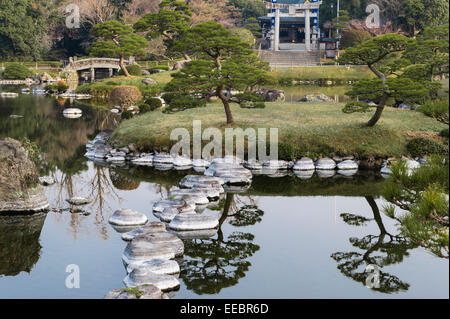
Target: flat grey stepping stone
385 170
141 292
325 164
253 165
182 161
77 201
163 167
163 159
176 202
193 222
190 181
127 217
348 172
140 250
160 266
326 173
200 163
198 196
236 189
196 234
230 173
273 164
168 214
165 239
144 161
304 164
143 275
46 180
152 227
347 165
304 174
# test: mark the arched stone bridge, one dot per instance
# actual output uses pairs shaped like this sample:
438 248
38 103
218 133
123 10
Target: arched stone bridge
87 68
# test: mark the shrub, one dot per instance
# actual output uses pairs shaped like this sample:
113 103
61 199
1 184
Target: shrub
144 108
244 34
444 133
420 147
354 37
438 109
59 87
125 96
132 69
354 107
16 71
126 115
154 103
287 151
180 102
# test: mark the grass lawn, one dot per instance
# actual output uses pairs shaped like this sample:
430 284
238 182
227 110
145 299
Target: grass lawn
304 129
335 72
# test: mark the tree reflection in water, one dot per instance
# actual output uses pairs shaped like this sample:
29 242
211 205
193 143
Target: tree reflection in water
382 250
216 263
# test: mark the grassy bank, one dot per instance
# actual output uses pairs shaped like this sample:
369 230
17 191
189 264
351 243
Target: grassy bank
304 129
335 72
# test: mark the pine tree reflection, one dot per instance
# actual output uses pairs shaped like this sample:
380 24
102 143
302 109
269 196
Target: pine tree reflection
216 263
382 250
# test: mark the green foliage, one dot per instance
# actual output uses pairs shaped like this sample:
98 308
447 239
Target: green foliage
253 26
354 107
132 70
16 71
126 115
150 104
424 194
249 100
33 151
161 67
243 34
183 101
444 133
224 62
353 38
438 109
249 8
421 147
58 88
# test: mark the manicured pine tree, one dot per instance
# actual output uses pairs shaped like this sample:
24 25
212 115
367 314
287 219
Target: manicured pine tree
223 63
115 39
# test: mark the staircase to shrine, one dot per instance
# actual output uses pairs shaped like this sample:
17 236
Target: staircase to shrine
290 58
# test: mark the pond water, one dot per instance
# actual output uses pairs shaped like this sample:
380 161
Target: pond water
305 238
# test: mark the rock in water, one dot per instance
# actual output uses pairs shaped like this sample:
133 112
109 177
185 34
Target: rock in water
160 266
78 201
304 164
20 190
152 227
347 165
46 180
140 292
183 222
144 275
325 164
164 239
127 217
139 250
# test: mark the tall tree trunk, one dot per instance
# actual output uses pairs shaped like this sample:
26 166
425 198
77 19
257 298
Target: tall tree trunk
226 104
379 111
122 66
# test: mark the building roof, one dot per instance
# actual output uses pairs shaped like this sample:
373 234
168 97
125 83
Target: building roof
284 19
290 1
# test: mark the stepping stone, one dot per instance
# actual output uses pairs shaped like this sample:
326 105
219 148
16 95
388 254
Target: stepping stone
177 202
183 222
253 165
89 154
141 292
159 266
152 227
127 217
144 161
279 165
200 163
77 201
140 250
182 161
236 189
164 159
197 195
163 167
144 276
168 214
304 164
347 165
304 174
196 234
325 164
164 239
190 181
46 180
230 173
